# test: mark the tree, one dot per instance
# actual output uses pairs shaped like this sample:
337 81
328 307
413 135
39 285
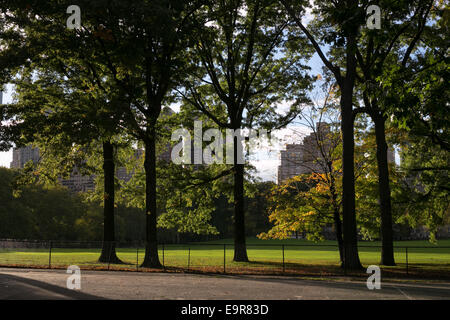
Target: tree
423 196
13 54
303 204
62 108
367 189
404 26
316 200
140 47
35 211
341 21
415 97
245 71
185 199
415 93
38 212
144 52
256 208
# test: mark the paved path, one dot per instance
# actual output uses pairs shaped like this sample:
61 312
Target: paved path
51 284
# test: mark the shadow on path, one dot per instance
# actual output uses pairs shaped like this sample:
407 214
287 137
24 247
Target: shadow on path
18 288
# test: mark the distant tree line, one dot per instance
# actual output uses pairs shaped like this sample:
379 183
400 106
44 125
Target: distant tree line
38 212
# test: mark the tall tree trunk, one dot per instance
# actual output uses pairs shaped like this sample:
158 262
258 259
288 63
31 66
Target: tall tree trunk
337 219
109 248
240 248
151 259
387 249
351 257
338 227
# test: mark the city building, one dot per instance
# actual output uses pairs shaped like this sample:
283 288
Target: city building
301 158
78 182
22 155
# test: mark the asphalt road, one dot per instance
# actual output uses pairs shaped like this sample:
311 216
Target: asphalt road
51 284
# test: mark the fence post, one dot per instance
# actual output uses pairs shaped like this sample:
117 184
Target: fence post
407 271
189 258
50 256
282 246
224 257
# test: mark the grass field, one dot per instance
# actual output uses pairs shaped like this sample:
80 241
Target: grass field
264 255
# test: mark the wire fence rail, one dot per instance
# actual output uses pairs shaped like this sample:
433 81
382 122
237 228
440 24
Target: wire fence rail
264 258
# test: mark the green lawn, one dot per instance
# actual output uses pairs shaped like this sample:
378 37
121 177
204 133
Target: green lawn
263 254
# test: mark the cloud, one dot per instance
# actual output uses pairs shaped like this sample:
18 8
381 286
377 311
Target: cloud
5 159
266 157
266 169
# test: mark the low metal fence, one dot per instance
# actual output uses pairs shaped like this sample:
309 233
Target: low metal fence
303 258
